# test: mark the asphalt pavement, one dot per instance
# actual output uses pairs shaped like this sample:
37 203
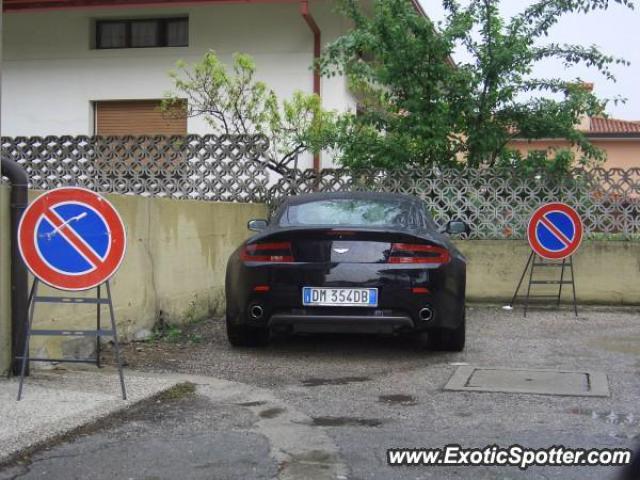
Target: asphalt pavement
330 406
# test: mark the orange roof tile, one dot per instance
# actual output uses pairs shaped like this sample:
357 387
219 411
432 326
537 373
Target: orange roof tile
613 125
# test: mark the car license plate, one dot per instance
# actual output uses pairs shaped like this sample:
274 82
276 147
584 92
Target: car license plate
343 297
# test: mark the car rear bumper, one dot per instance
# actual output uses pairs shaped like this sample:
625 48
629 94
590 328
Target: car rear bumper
403 291
305 321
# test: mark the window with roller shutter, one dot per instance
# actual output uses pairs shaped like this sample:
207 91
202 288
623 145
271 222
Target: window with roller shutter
137 117
133 118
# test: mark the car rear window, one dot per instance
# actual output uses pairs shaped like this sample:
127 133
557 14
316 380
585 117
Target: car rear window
344 211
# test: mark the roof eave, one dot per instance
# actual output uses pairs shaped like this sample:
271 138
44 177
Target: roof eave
27 6
590 136
613 135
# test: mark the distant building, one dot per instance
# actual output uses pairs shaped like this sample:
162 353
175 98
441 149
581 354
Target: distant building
620 139
100 67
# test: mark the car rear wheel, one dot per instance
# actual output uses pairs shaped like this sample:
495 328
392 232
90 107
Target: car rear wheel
448 340
245 336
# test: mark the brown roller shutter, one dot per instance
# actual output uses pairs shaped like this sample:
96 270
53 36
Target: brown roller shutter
137 117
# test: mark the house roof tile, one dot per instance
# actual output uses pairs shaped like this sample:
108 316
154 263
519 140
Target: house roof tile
613 125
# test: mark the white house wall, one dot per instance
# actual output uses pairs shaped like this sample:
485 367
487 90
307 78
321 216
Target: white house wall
51 75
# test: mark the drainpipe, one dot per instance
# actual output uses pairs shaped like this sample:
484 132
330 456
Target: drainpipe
306 14
19 278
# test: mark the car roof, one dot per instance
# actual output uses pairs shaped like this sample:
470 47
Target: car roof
314 197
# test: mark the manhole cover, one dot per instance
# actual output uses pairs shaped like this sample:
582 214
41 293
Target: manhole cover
519 380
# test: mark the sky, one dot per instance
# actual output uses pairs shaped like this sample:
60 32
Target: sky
615 31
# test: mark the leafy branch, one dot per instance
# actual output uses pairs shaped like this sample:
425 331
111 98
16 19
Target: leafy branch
418 108
233 102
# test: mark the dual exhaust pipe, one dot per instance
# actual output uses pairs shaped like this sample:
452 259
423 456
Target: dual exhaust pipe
256 312
425 314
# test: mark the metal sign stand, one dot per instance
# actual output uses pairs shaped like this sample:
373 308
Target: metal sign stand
537 261
98 332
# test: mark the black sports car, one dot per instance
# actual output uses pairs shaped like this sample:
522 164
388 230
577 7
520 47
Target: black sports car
348 262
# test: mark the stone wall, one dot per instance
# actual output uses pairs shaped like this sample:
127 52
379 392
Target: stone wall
177 253
607 272
174 268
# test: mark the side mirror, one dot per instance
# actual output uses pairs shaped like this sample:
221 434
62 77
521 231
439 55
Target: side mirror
456 227
257 224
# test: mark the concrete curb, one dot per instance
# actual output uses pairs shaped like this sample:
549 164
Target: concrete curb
57 403
301 449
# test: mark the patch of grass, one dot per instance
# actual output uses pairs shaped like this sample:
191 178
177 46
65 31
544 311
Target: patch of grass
177 392
171 333
195 338
165 332
174 334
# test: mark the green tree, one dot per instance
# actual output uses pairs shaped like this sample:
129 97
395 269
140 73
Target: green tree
233 102
418 107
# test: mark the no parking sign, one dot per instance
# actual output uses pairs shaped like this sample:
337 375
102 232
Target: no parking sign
72 238
555 231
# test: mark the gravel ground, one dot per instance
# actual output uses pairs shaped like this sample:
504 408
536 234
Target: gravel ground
373 393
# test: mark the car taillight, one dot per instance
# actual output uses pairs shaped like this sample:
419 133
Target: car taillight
267 252
416 253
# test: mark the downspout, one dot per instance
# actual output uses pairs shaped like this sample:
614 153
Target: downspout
18 200
19 278
306 14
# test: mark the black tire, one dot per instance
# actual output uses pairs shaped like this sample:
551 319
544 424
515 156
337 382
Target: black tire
245 336
446 339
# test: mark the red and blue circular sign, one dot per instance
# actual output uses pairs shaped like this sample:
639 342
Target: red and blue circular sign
72 238
555 231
